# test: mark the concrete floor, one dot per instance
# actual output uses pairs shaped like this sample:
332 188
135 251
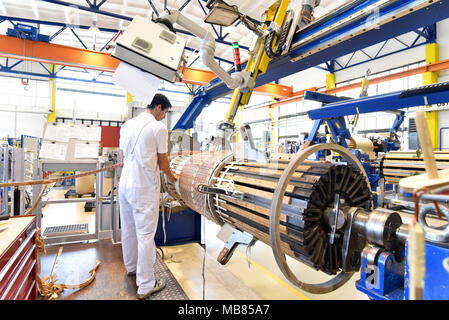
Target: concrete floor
252 275
247 275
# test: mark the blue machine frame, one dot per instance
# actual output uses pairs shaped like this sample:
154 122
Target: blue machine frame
427 95
299 59
333 113
335 108
389 278
27 32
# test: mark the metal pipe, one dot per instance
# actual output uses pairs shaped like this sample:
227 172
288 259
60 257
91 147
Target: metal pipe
207 46
69 200
24 111
402 233
436 197
5 178
381 228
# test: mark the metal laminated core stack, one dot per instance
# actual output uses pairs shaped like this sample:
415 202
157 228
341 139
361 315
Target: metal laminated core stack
306 215
402 164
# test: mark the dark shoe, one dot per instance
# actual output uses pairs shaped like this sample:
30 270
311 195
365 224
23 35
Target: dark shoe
131 273
158 286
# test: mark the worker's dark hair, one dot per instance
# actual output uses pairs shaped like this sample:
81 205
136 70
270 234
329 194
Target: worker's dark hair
159 99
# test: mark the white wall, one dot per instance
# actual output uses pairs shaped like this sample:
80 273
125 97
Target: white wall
90 101
22 108
14 124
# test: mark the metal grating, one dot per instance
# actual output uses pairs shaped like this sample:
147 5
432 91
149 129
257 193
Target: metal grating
411 125
67 229
172 290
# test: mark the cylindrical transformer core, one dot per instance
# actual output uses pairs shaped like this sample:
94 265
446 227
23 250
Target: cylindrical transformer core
305 216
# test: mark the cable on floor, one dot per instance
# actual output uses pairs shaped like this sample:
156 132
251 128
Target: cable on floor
162 207
203 273
248 255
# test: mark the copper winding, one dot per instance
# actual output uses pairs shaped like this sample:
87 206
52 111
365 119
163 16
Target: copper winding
198 169
48 181
47 286
37 201
417 193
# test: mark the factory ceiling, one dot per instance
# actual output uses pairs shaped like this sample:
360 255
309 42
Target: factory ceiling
52 16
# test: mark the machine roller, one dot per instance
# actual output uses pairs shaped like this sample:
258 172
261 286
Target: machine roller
317 212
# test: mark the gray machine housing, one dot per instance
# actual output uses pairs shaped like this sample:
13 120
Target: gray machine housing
152 48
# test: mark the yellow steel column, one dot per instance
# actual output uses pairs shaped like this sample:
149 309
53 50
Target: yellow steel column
191 96
129 98
330 84
52 94
330 81
274 116
432 56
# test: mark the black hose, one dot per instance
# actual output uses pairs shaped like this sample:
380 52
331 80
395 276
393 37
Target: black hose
282 38
166 23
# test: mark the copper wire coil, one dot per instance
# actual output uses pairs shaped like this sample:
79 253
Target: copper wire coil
305 234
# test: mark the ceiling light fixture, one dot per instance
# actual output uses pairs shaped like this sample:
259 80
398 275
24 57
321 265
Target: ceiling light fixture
221 13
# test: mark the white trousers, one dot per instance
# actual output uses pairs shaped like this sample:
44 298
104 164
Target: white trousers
139 214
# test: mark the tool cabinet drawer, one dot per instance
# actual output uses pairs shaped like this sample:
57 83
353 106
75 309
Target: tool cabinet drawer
18 259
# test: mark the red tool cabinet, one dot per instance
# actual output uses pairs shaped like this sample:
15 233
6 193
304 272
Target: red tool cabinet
18 254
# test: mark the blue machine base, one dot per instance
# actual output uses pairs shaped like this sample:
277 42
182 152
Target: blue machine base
397 294
436 282
183 227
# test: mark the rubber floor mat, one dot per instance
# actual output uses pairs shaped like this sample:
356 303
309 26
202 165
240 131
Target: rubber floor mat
172 290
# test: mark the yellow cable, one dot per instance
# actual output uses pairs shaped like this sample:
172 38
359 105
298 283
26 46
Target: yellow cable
283 283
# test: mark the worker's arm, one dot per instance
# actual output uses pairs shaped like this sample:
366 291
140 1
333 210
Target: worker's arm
164 165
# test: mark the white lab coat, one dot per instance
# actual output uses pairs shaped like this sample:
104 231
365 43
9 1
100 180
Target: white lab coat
141 139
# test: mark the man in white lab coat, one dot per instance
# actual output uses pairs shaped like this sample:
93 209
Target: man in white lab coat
144 147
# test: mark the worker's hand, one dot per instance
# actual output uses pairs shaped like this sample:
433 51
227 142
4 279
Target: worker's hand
171 178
